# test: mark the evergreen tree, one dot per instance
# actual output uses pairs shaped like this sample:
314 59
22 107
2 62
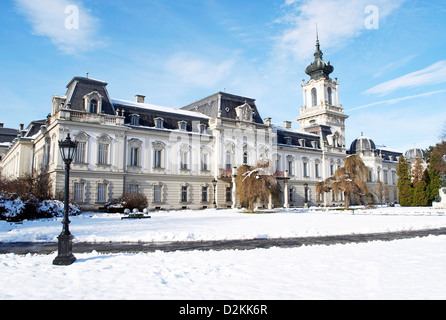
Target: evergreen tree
404 183
420 197
436 167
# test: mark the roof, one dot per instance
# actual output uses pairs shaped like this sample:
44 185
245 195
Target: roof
158 109
147 113
226 103
8 135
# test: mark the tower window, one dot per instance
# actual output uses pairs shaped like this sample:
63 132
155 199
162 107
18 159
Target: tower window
330 97
314 96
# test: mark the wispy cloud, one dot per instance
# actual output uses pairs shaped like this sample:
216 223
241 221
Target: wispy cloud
197 71
339 21
434 74
72 31
397 100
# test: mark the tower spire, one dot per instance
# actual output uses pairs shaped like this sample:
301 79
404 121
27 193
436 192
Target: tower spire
319 68
318 54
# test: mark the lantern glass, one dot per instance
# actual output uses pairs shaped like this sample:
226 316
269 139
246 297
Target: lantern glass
67 149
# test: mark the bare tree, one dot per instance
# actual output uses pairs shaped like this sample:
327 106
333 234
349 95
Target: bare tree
350 179
256 184
380 191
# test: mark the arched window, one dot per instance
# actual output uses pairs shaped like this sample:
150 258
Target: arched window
314 96
245 154
330 98
245 157
93 106
228 160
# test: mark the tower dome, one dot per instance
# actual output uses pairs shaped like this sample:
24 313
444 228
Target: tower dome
319 69
413 153
362 144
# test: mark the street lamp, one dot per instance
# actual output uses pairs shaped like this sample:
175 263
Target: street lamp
306 194
65 255
214 183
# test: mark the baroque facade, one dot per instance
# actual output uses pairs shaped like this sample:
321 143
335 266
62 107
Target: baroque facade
173 156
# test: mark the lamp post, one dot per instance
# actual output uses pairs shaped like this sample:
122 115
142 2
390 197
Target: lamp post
65 255
214 183
306 194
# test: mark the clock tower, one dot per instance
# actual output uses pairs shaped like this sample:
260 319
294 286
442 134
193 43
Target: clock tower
321 112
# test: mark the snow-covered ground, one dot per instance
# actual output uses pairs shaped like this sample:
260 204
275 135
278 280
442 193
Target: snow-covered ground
403 269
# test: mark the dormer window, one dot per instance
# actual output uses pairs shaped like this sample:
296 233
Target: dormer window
288 141
134 119
182 125
94 106
93 102
159 123
202 128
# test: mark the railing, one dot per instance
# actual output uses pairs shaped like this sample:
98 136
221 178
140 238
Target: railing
82 116
279 174
224 173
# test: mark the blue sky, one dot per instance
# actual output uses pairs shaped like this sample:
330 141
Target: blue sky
392 76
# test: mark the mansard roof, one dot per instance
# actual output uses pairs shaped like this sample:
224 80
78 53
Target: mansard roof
226 103
297 138
8 135
148 113
79 87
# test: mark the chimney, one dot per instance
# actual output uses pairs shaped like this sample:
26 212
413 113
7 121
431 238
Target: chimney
287 124
140 98
21 127
1 125
268 121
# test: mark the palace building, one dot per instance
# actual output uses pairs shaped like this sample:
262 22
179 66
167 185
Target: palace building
173 156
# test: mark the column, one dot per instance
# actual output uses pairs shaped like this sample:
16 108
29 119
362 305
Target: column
234 189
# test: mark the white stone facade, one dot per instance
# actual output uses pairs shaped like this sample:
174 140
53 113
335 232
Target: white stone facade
173 155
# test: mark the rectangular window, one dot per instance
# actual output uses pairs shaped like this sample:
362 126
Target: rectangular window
103 153
316 168
183 194
102 192
157 193
80 152
157 158
204 162
305 169
78 191
228 194
183 160
332 172
228 161
133 188
134 157
204 194
290 168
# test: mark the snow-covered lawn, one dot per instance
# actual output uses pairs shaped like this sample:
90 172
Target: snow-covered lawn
224 224
403 269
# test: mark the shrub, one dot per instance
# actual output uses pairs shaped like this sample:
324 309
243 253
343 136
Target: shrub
14 209
134 201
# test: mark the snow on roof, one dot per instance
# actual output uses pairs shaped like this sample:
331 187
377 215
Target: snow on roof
295 131
159 108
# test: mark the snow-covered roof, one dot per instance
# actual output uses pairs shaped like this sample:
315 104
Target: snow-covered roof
153 107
